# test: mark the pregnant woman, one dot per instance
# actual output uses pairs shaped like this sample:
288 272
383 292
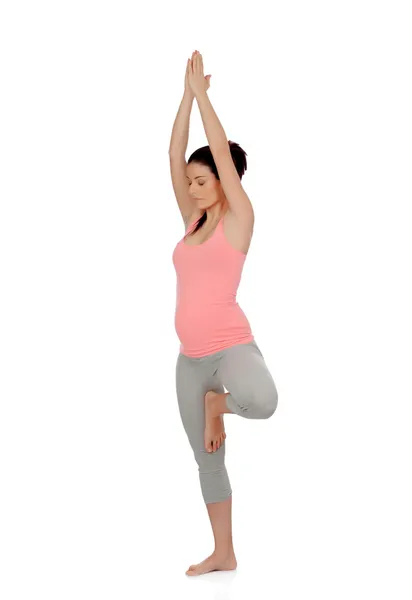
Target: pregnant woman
217 347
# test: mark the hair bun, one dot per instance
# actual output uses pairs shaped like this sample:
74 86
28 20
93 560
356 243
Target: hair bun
204 156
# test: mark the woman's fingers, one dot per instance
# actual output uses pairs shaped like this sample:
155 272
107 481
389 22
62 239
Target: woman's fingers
198 59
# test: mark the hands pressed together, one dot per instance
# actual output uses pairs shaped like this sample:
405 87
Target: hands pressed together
195 81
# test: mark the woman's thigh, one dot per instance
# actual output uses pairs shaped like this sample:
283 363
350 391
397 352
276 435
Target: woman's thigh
244 373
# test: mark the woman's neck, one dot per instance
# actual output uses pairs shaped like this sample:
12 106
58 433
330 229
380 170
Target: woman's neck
216 213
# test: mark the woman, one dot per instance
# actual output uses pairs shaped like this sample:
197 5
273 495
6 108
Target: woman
217 345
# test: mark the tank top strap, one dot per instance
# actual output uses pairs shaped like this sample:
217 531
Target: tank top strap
193 223
219 228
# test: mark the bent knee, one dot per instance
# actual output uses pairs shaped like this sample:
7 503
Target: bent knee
267 403
259 404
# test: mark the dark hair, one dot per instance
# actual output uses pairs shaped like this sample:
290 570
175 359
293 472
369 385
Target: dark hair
204 156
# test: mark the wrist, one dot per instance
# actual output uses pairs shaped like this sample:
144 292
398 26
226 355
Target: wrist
188 95
201 95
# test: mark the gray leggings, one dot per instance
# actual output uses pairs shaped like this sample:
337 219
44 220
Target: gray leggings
243 372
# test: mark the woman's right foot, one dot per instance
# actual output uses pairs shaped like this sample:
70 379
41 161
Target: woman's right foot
214 563
214 426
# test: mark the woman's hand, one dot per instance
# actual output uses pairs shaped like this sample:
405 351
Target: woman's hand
195 80
188 89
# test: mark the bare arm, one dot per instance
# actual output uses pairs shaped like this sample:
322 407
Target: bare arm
180 131
177 149
238 200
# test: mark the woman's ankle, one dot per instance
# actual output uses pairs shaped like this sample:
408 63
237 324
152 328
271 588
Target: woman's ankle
224 551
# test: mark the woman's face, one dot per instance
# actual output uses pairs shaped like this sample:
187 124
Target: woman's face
204 188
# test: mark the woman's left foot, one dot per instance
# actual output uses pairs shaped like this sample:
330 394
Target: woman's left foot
213 563
214 426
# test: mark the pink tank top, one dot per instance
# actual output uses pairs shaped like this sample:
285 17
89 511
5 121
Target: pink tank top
208 318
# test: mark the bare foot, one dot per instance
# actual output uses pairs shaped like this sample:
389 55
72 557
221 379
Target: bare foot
213 563
214 426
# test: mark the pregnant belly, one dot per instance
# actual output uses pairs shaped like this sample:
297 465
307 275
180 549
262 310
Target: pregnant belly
197 325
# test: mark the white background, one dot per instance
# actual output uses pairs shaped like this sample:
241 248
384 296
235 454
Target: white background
100 496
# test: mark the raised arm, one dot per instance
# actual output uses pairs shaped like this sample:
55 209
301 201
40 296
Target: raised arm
180 132
238 200
177 150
